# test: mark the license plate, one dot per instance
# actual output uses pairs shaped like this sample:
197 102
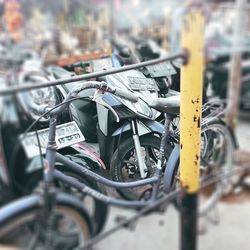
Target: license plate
161 70
137 83
66 134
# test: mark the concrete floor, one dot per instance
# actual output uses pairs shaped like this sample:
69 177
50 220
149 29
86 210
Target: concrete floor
161 232
226 228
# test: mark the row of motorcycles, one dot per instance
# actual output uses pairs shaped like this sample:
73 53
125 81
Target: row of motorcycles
135 139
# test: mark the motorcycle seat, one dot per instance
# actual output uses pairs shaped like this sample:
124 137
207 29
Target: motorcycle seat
170 105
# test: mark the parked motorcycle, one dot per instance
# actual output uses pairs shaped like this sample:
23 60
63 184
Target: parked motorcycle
160 72
136 124
114 119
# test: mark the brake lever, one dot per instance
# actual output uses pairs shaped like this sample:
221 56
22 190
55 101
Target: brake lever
98 99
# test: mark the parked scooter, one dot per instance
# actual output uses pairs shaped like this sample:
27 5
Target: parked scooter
20 210
136 128
114 119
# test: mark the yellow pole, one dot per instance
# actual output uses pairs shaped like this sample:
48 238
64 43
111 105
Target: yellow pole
191 100
190 122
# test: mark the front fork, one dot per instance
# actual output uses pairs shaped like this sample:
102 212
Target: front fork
49 191
142 166
50 151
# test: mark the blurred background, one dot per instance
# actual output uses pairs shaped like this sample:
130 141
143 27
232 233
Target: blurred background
67 31
88 25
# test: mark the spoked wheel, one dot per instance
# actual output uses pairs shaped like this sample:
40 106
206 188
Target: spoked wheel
216 161
63 228
124 164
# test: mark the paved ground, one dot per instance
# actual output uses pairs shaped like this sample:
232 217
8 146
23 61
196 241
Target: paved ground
162 231
226 228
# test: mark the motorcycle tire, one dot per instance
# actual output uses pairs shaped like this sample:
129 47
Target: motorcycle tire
122 154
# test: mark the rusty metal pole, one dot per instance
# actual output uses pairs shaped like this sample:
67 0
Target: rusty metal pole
235 72
190 120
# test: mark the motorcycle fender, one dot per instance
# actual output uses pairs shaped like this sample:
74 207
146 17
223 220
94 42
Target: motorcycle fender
82 152
87 152
144 127
126 127
153 126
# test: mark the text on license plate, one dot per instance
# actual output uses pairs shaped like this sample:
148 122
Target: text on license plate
66 134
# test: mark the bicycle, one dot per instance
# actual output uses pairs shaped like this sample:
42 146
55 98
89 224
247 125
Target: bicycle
51 174
40 207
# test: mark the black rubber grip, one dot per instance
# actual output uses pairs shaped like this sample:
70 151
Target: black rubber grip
126 94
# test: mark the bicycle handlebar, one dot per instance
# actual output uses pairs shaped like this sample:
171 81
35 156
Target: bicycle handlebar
107 88
126 94
103 86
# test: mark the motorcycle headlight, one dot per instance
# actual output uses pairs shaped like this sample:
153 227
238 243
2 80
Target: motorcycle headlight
44 96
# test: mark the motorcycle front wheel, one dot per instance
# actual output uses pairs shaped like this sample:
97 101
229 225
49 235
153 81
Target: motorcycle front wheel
124 165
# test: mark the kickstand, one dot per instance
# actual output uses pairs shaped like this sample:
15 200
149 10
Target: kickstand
213 217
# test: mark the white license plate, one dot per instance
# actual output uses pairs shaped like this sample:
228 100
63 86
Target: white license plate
66 134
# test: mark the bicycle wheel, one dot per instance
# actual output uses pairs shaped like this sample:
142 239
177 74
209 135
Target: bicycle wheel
124 165
217 147
24 224
97 209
